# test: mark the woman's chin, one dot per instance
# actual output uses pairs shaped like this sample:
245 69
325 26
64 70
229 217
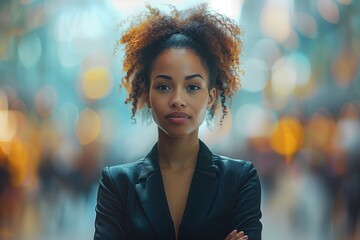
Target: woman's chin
178 133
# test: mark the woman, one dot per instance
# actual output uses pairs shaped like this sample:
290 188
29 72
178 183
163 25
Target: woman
178 66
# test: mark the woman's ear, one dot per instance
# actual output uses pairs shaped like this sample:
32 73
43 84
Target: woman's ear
212 97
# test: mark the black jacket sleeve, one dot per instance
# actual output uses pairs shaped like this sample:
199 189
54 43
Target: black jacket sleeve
110 210
247 211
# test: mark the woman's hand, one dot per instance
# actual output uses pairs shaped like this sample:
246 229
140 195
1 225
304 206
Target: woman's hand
234 235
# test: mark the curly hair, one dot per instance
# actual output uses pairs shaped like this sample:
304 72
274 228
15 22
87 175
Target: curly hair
214 37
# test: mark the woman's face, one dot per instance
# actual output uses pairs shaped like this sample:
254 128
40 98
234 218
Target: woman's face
179 95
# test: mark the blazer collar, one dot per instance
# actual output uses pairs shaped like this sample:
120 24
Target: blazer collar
204 162
150 190
150 164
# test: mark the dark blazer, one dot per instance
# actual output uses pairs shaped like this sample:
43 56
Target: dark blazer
224 195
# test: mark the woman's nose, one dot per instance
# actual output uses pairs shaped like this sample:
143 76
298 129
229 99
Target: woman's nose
177 100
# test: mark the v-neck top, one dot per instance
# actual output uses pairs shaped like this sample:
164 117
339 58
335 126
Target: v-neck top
224 195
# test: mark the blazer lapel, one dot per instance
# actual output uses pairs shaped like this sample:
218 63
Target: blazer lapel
150 190
202 191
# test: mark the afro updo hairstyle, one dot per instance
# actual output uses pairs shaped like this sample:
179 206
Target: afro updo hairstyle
213 37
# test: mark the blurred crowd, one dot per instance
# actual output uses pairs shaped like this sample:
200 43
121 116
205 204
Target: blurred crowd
62 117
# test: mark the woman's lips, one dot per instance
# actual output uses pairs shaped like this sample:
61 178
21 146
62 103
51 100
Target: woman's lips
177 117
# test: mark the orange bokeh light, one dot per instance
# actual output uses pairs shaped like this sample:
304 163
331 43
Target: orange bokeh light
287 137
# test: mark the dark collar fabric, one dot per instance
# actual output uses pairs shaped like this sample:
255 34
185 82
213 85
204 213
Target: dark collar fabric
153 198
204 162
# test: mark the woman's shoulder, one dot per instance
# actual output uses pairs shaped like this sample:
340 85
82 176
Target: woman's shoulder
241 172
123 171
240 167
231 162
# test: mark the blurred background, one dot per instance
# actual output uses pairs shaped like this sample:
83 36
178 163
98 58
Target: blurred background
63 117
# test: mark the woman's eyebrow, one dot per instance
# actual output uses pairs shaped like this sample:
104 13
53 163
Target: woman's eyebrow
163 76
189 77
193 76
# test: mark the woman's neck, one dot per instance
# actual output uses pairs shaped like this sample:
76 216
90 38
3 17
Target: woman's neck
177 153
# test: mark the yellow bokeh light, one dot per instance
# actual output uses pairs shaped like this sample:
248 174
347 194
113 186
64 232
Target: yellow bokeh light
19 163
88 127
96 83
287 137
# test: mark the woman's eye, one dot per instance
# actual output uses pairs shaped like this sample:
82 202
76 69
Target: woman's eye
193 88
162 87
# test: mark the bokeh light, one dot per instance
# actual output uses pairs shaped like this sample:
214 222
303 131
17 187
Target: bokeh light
287 137
267 50
328 10
301 64
256 75
88 126
8 125
290 72
348 128
283 77
254 121
20 163
275 20
96 83
306 24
